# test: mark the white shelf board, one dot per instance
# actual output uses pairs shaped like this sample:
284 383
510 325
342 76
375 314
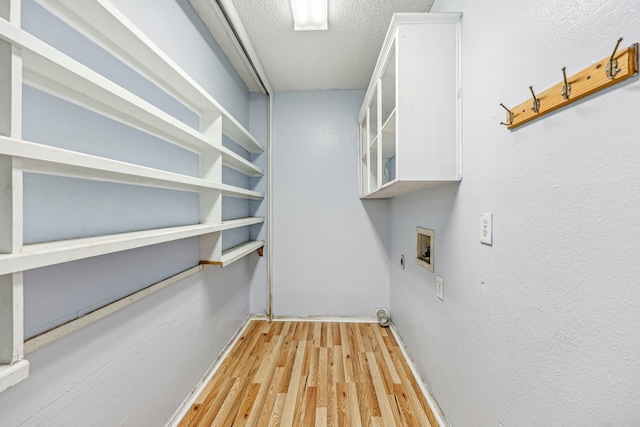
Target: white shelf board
389 125
43 159
234 161
102 22
240 193
50 70
237 252
50 253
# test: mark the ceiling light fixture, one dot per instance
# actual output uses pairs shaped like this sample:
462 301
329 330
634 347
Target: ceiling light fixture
309 15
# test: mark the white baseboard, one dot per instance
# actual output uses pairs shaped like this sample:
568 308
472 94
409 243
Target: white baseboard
186 405
333 319
442 421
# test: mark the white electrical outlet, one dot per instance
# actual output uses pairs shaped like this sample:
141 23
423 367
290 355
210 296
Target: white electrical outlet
440 287
486 228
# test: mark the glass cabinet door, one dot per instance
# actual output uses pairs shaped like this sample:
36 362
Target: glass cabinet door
388 114
373 116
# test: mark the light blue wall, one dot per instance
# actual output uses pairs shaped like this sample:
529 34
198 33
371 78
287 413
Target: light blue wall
58 208
542 327
330 249
141 362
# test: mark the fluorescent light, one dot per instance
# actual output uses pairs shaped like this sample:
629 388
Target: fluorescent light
309 15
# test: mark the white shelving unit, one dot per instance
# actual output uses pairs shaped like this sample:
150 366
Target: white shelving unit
35 63
101 22
409 123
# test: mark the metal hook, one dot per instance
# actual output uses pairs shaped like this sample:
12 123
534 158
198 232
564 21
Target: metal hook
612 65
536 102
566 89
510 121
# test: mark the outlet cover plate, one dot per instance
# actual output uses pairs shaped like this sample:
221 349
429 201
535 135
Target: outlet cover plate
486 228
440 287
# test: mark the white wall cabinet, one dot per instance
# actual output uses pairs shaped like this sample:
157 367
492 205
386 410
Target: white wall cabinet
409 123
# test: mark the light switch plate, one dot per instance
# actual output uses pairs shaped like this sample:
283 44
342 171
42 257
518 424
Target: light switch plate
440 287
486 228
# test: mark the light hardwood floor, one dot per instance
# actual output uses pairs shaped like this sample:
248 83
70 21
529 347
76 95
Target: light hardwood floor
312 374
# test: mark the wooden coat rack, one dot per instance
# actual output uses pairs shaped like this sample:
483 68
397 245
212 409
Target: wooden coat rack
601 75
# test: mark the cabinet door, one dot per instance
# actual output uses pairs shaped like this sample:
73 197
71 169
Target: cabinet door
428 103
374 158
388 102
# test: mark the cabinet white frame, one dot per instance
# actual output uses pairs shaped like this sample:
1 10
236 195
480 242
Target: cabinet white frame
35 63
409 124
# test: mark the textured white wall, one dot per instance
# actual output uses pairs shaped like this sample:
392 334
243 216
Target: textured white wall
135 367
330 248
542 327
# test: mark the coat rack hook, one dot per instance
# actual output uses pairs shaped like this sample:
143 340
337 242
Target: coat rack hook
536 102
612 65
510 120
566 88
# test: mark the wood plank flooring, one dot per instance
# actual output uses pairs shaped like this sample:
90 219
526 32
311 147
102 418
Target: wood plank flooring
312 374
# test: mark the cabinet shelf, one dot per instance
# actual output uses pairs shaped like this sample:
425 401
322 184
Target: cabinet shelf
389 138
107 26
389 125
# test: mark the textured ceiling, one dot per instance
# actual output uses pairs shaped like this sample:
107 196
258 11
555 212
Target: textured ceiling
341 58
